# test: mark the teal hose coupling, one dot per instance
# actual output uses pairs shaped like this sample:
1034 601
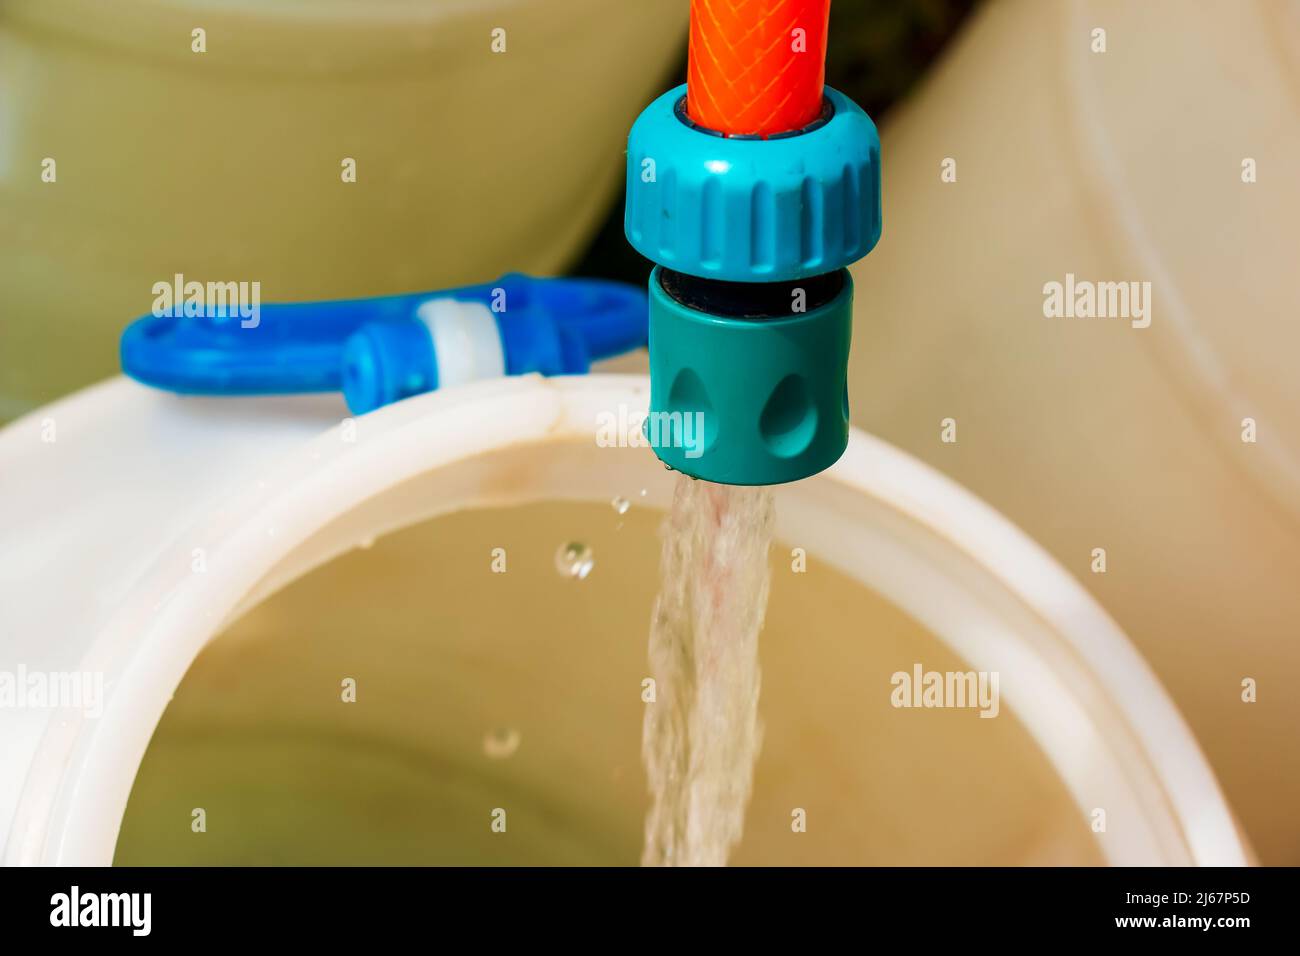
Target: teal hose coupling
751 304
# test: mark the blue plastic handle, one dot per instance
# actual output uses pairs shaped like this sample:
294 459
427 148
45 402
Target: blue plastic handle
550 326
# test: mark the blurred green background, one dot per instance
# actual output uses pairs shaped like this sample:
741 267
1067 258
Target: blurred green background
223 165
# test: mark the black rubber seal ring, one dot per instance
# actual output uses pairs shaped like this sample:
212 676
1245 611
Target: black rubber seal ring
750 300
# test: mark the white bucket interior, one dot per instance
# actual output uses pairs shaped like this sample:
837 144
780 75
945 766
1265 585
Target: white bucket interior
457 667
904 568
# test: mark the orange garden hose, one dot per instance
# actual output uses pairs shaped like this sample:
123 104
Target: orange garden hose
757 67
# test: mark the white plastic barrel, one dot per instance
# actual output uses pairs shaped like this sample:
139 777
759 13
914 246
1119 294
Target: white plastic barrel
1152 142
110 498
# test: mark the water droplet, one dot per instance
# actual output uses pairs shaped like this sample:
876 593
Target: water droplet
621 504
574 560
642 492
501 743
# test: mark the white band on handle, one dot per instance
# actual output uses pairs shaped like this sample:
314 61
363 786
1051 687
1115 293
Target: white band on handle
466 342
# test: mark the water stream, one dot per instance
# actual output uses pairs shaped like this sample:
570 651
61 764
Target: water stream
702 731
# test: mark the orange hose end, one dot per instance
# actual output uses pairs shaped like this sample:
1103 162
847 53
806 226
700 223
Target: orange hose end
757 67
